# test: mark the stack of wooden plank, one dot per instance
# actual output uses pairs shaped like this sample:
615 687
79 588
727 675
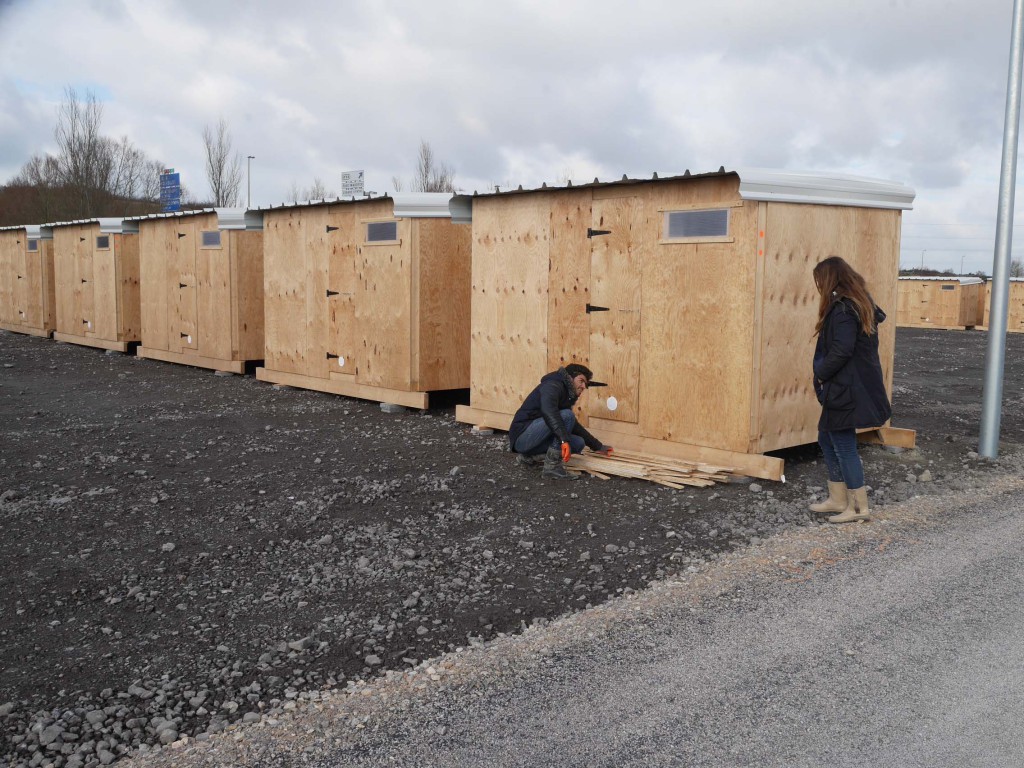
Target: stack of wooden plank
674 473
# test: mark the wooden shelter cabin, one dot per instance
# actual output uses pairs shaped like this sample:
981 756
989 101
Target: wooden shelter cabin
96 266
27 302
691 298
368 298
1014 306
946 302
202 287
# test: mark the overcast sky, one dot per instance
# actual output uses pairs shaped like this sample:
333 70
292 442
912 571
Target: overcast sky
540 90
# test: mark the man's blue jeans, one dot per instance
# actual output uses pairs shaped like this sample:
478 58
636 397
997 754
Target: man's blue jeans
537 438
841 458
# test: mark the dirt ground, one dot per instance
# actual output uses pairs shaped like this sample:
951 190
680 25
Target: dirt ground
185 550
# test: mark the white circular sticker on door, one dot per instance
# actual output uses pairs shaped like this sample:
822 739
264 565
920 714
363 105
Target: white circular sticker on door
88 324
612 403
341 361
189 339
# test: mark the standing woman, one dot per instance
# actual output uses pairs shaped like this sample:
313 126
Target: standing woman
848 383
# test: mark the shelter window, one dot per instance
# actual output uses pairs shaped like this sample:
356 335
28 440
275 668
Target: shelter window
949 287
33 245
102 242
211 239
382 232
709 225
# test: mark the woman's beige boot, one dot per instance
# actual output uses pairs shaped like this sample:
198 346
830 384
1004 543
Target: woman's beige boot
836 501
857 509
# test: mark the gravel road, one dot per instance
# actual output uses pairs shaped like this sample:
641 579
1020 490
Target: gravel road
896 643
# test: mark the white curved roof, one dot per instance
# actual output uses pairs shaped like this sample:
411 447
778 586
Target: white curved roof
422 205
944 279
823 189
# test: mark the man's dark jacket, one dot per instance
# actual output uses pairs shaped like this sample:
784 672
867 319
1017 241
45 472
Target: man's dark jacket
554 393
847 373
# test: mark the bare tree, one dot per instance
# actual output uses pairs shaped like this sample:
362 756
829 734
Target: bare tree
223 169
91 174
318 191
83 155
431 175
1016 268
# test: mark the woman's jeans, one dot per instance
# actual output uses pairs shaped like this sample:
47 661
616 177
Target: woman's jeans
537 438
841 459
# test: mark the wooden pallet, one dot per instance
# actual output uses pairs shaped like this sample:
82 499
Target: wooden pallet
672 473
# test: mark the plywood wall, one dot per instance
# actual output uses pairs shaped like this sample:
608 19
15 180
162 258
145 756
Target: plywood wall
442 295
384 312
311 287
939 303
509 343
10 257
796 238
1014 306
27 298
247 294
129 308
698 322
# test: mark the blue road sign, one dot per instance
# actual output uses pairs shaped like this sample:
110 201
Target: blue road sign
170 192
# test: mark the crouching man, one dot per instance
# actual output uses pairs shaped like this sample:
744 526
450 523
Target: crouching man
545 423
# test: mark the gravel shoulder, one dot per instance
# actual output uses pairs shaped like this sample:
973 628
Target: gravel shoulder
893 643
187 553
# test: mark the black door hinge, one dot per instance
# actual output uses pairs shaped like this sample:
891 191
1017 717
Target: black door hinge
331 357
181 235
592 308
180 285
331 293
84 280
596 232
331 229
596 384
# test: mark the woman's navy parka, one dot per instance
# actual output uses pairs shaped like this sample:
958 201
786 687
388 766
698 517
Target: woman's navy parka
847 372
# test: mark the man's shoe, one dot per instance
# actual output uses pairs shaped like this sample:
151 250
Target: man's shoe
523 460
553 466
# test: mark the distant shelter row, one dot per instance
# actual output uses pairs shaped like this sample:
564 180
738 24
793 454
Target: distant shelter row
956 303
690 297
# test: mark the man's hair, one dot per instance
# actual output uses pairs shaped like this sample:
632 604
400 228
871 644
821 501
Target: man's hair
575 369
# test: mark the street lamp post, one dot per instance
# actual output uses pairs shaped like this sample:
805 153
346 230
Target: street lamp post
248 180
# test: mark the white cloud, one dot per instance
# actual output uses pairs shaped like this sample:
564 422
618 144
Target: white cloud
529 91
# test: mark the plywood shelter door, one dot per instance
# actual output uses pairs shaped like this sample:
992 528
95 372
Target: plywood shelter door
83 287
32 286
614 309
184 330
21 285
104 290
342 228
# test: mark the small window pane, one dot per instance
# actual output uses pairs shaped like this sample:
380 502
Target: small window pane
381 231
211 239
949 287
33 245
713 223
103 242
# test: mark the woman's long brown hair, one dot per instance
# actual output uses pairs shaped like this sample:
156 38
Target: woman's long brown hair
836 280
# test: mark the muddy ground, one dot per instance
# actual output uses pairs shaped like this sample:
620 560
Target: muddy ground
184 550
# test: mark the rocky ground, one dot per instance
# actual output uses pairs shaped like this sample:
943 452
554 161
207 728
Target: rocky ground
184 551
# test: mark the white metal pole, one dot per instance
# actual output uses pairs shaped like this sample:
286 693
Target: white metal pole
248 181
995 357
